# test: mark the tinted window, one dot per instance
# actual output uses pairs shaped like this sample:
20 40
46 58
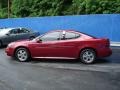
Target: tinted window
14 31
70 35
51 36
23 31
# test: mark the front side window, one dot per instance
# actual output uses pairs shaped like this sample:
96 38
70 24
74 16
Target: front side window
52 36
23 30
14 31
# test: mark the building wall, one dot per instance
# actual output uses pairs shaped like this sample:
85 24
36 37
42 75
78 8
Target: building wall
100 25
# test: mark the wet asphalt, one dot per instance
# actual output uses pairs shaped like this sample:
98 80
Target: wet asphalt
60 74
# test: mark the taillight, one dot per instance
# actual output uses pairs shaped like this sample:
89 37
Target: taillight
107 43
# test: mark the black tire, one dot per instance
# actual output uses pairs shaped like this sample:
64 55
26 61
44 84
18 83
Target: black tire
88 56
25 55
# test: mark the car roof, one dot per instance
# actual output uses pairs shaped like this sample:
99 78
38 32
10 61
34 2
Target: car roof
75 31
67 31
8 29
11 28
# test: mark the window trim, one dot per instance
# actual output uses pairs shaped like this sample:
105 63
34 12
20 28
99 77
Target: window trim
49 33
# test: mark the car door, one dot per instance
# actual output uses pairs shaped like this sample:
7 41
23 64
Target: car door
48 46
69 44
11 36
23 34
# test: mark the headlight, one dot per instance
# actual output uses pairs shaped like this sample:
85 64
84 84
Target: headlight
10 45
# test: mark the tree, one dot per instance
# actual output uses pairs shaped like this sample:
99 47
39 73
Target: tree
3 8
46 7
21 8
33 8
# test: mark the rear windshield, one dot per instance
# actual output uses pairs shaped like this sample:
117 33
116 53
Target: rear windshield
89 35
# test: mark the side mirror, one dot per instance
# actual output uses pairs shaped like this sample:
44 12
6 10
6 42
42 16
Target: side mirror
38 40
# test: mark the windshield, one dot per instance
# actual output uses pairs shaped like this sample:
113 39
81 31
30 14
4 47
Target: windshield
37 37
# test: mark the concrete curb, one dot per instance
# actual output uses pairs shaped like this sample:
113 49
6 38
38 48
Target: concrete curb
115 44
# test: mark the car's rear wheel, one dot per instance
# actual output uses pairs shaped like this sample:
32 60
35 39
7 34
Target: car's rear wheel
22 54
88 56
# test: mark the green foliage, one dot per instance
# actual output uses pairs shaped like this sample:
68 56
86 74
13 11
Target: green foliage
33 8
3 9
3 3
3 13
21 8
46 7
96 6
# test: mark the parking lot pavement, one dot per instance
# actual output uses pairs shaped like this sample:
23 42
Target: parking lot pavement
108 64
60 75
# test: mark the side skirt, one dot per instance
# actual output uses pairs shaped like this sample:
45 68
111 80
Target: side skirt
54 58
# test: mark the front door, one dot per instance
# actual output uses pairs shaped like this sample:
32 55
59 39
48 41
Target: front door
11 36
47 47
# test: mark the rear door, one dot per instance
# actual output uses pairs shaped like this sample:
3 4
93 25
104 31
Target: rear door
23 34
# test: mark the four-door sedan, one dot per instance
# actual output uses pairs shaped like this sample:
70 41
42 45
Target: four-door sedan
8 35
61 44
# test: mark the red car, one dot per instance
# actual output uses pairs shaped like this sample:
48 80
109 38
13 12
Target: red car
61 44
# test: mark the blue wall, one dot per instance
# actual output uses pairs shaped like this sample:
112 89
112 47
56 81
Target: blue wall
105 25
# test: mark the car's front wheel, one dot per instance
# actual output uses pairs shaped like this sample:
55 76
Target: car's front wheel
22 54
88 56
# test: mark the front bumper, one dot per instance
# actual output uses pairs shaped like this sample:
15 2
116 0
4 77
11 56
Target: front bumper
9 51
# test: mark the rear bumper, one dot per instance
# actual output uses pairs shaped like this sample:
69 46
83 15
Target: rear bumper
104 52
9 51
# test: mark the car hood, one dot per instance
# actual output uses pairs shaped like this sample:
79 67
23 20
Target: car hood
19 42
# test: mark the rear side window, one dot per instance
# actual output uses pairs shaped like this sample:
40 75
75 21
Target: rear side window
24 30
71 35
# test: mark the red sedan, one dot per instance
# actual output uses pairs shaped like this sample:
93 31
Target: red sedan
61 44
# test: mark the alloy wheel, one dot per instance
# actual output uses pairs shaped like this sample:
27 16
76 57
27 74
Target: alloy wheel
88 56
22 54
